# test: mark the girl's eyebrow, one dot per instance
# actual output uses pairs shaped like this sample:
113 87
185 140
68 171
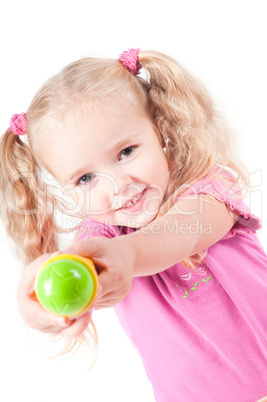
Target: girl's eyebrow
122 142
77 173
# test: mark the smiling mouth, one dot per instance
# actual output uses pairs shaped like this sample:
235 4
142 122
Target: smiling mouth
133 201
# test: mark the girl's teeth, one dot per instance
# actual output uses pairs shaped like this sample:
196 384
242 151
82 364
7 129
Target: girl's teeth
133 201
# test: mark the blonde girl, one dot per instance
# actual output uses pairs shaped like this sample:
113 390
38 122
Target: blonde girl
151 165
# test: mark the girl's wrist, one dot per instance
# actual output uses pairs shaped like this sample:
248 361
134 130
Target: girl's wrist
128 252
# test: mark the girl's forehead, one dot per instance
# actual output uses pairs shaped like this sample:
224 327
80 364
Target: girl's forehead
113 111
110 118
107 128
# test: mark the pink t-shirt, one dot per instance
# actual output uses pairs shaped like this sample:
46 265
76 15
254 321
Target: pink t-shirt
202 335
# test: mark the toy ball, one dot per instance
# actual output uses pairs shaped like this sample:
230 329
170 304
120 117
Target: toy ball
66 285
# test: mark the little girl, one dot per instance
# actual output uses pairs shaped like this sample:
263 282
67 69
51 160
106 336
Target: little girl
150 165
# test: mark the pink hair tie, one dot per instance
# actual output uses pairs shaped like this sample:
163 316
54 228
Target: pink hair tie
129 59
18 124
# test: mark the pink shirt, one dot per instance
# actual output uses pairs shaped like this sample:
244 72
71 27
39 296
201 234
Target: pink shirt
202 335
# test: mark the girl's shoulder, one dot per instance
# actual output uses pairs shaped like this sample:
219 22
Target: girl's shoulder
218 181
222 185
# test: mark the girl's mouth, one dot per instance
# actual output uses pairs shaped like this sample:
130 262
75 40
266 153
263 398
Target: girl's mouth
136 202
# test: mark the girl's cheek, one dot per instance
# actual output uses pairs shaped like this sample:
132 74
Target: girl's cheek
96 205
98 200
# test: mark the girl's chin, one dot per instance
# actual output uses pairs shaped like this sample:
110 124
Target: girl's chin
134 222
122 218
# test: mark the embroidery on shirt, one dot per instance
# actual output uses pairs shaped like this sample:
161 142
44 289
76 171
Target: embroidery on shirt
193 288
202 270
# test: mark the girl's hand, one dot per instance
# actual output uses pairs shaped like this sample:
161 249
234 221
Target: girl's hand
36 316
114 265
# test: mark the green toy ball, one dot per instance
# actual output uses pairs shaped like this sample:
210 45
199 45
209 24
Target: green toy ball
66 285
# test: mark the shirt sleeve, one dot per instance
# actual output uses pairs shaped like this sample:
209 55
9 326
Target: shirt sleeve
224 188
89 228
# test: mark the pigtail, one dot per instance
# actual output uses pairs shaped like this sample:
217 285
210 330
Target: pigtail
28 210
189 126
183 113
24 200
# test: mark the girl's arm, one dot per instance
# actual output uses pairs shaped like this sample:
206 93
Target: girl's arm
192 225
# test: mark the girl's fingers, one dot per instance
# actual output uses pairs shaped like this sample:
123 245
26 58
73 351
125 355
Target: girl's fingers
86 248
77 326
107 301
109 293
63 325
38 318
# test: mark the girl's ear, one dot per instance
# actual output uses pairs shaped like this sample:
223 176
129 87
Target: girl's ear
166 145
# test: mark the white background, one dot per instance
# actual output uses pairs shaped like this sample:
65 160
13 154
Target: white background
224 43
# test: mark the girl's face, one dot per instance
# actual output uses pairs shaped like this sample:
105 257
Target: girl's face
111 164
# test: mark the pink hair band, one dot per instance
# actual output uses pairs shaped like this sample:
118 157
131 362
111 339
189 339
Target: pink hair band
129 59
18 124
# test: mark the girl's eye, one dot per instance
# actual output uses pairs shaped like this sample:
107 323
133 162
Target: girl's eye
126 152
87 178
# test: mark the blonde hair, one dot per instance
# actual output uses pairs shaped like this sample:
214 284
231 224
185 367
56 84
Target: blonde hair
185 120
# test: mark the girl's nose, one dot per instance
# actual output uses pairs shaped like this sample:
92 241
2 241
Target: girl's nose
121 182
125 187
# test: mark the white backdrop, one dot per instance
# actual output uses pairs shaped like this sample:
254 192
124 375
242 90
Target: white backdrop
224 43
